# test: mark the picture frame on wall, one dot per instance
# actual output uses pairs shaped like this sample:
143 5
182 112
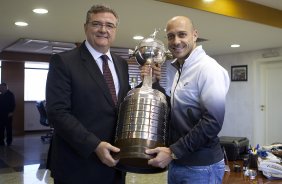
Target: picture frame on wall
239 73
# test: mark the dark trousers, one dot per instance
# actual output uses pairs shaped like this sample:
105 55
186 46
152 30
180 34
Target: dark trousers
6 128
58 182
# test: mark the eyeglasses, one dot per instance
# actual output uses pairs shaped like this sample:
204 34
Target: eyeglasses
100 25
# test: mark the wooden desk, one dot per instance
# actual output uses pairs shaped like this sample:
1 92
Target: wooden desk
239 178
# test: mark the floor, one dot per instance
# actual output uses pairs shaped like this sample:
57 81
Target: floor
24 162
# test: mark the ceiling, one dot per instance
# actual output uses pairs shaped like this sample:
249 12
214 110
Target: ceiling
63 25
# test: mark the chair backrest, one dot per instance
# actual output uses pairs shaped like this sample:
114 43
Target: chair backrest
42 112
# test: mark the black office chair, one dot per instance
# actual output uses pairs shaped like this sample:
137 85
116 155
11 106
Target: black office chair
44 121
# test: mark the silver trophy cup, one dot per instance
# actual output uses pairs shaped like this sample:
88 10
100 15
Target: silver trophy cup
142 121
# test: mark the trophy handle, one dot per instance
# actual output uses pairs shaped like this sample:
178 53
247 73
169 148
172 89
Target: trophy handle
148 79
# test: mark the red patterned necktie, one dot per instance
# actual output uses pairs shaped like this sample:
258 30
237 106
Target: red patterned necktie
109 78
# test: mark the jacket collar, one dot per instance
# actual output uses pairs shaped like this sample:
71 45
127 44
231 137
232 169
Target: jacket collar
192 58
96 74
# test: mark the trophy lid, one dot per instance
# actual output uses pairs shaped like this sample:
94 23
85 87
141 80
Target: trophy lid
151 42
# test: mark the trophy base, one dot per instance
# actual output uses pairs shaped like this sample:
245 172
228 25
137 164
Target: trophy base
132 156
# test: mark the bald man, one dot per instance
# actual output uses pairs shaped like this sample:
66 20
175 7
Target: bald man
198 95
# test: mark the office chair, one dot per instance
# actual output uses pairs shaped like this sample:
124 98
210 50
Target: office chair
44 121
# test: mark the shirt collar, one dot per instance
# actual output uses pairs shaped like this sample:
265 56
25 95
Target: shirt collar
96 55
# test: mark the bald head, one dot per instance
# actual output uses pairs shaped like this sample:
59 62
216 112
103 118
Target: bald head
178 20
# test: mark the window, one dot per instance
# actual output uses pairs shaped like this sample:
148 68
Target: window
35 80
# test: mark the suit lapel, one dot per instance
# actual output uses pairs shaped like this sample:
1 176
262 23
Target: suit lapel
93 69
119 71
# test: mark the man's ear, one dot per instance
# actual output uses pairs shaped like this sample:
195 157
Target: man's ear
195 35
85 27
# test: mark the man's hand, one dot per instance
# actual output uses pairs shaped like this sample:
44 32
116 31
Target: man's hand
156 72
163 157
103 151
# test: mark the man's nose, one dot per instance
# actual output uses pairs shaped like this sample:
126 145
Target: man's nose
103 28
176 40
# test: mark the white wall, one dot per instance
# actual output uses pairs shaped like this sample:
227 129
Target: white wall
240 117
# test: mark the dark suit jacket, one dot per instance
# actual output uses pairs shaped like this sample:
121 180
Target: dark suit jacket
80 107
7 104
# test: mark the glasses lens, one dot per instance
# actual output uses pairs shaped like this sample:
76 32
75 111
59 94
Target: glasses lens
100 25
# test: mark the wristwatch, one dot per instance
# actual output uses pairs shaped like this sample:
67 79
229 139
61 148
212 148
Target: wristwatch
173 156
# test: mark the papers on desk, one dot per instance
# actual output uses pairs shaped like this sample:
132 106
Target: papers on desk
270 166
271 147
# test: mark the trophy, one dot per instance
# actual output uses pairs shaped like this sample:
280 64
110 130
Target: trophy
142 120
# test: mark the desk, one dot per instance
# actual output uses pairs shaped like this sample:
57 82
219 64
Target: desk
239 178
